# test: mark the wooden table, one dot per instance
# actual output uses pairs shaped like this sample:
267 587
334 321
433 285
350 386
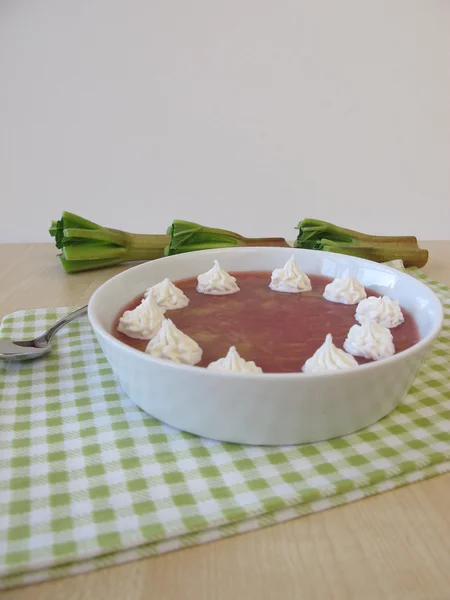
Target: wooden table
395 545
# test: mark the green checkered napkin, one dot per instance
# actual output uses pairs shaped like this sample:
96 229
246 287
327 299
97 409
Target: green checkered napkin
87 479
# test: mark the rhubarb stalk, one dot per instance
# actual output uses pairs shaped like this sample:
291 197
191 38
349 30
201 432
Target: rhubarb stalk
188 237
85 245
321 235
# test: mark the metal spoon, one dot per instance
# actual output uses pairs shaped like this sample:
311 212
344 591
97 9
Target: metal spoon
28 350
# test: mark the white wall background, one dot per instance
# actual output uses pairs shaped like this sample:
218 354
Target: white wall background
244 114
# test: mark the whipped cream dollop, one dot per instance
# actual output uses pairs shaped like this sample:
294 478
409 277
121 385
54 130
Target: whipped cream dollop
370 340
290 279
144 321
172 344
216 281
329 358
385 311
233 363
167 295
345 290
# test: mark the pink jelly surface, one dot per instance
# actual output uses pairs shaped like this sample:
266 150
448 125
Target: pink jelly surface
279 331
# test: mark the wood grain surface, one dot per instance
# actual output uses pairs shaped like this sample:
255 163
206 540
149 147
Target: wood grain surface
392 546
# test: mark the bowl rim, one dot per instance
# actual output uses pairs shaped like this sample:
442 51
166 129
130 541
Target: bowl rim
300 375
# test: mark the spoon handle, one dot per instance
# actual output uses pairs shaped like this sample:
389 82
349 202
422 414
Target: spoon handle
45 338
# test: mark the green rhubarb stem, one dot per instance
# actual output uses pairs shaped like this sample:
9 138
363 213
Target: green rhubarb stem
188 237
379 252
321 235
78 266
96 250
92 251
314 228
149 249
101 234
143 241
134 242
90 245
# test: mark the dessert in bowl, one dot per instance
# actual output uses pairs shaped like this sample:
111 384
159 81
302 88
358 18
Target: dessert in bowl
283 401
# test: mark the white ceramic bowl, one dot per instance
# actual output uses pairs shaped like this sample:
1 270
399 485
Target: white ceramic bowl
272 408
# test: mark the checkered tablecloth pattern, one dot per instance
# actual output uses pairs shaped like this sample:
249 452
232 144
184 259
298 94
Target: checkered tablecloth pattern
87 479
